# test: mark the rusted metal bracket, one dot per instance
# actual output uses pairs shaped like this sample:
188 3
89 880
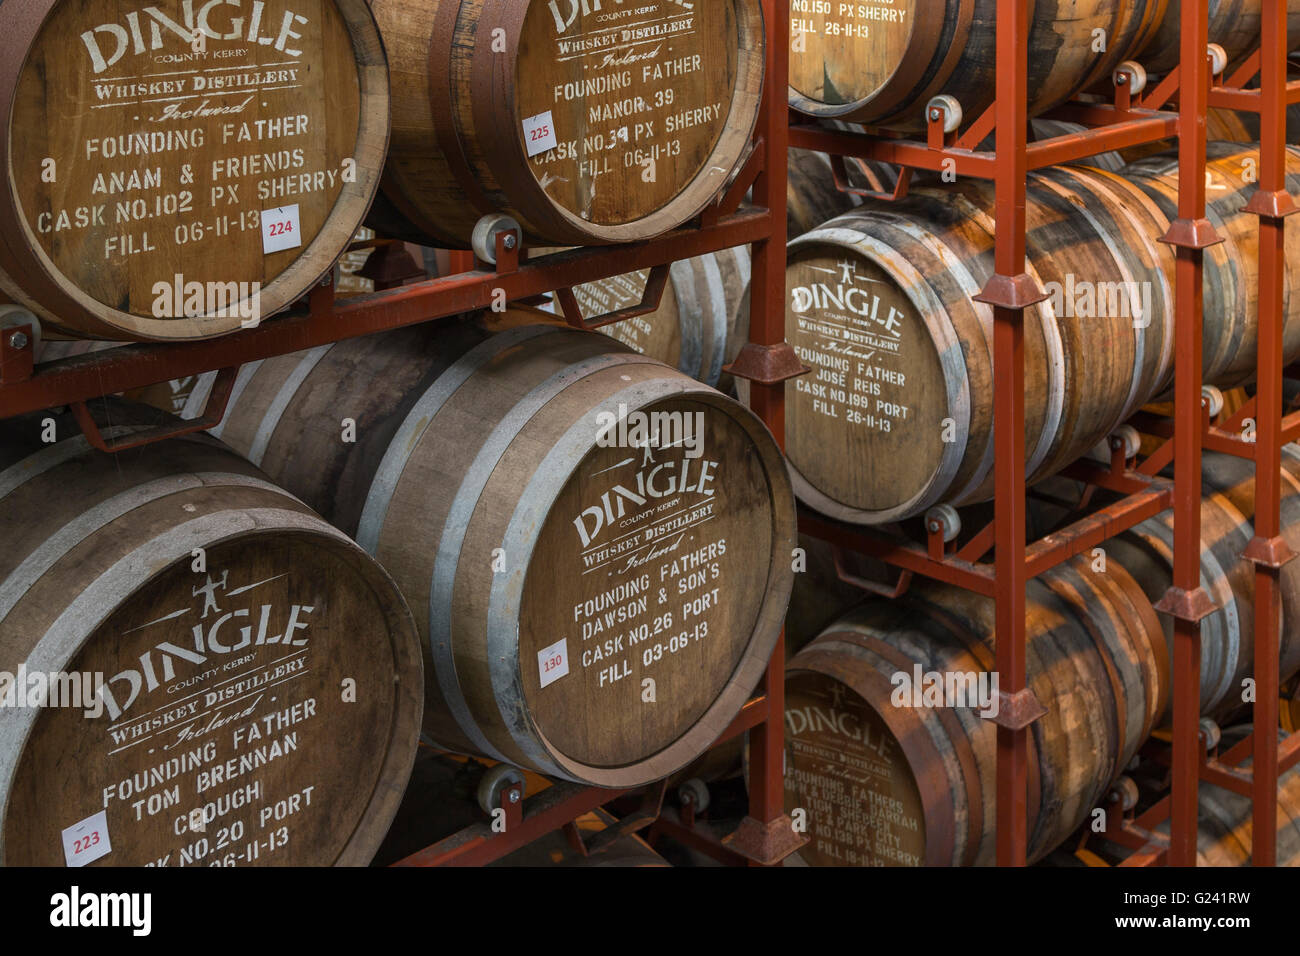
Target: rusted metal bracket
1017 292
214 410
1017 711
1269 552
1193 606
1273 204
17 355
651 299
651 807
766 844
391 265
840 174
1192 234
767 364
871 587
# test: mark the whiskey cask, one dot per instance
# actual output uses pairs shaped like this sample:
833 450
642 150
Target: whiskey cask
172 170
897 414
703 321
1225 825
1232 267
551 576
1227 515
879 64
588 125
1233 25
888 778
222 729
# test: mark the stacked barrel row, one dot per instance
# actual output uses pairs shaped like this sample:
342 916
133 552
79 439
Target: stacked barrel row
589 556
891 768
174 170
896 414
880 64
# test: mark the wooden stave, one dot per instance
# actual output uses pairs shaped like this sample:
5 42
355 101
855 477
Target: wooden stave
491 175
29 279
1231 288
899 625
451 719
1235 26
223 499
697 320
1227 515
956 58
927 243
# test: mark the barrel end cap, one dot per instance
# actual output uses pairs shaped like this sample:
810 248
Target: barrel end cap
766 844
1192 606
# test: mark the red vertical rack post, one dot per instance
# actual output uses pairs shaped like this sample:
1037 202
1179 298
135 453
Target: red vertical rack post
1268 550
1010 291
1186 601
765 836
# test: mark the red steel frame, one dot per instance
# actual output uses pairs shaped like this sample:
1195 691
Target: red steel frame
1129 121
766 836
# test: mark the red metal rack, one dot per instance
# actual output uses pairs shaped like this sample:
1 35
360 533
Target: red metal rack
1127 121
766 836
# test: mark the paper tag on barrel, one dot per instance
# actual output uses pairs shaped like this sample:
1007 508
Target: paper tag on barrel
87 841
553 661
281 229
539 133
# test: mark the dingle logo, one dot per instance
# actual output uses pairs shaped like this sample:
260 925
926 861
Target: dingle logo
132 35
564 20
664 480
214 633
845 294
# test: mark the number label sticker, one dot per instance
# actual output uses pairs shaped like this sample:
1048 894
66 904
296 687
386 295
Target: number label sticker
553 662
280 229
87 841
539 134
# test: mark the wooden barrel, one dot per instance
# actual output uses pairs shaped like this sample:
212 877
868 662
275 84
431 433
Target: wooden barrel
587 125
887 777
1233 24
593 613
172 171
880 64
897 413
1227 513
700 325
259 707
1231 268
703 321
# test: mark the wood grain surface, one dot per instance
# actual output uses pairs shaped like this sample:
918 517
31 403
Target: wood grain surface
225 731
138 154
